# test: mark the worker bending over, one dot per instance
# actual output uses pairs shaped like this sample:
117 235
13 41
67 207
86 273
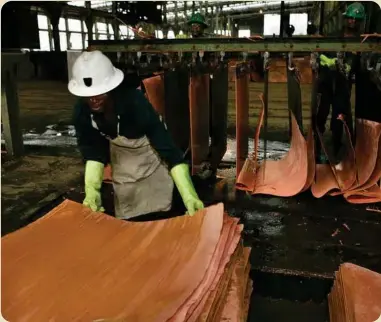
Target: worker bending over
115 123
335 82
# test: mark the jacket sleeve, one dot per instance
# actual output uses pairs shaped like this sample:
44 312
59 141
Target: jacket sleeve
156 131
92 145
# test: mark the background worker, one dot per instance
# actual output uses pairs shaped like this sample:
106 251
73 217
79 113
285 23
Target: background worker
335 82
197 25
116 123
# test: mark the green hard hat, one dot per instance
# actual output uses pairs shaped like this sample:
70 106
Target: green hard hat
355 11
197 18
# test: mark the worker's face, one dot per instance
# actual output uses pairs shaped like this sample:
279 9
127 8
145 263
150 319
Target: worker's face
197 29
97 103
351 23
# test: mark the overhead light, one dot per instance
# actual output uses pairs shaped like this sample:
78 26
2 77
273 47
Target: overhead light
236 25
145 18
158 7
261 11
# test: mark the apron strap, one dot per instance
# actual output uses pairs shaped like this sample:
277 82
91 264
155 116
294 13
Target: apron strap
95 126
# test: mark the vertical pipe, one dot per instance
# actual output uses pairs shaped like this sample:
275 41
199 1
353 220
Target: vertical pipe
321 16
242 115
281 19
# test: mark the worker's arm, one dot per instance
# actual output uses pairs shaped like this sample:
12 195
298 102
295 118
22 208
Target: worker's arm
163 143
95 152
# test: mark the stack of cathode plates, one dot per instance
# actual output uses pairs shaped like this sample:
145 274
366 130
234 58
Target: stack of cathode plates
74 264
356 295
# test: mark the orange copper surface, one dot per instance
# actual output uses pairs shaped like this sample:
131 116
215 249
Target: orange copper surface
199 119
311 160
246 178
355 295
336 179
105 268
155 93
288 176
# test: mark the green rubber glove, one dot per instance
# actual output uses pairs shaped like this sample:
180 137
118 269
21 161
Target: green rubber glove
328 62
181 177
93 183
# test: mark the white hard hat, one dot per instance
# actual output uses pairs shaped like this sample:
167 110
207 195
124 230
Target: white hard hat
94 74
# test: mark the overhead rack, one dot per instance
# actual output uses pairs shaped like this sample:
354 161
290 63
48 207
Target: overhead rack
294 44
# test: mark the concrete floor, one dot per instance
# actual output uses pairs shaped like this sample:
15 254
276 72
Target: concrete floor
294 255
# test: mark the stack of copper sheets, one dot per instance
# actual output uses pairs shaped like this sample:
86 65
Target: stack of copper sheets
74 264
356 295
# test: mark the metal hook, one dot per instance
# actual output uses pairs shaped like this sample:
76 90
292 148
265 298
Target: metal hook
266 58
222 54
201 53
290 62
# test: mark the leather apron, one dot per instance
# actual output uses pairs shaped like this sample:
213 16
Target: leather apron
141 180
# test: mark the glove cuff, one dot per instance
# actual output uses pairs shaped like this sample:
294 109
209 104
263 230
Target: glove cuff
181 176
94 172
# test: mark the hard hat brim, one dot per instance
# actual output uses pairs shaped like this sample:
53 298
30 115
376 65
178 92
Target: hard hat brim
199 22
84 91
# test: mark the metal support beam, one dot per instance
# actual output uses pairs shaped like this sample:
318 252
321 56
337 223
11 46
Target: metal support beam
295 44
10 112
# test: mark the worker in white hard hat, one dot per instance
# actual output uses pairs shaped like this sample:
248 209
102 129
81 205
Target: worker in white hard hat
117 124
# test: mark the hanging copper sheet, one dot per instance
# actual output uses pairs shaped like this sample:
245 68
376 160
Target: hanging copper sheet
177 115
369 195
78 251
311 160
355 295
155 93
288 176
246 178
219 114
366 150
199 118
368 192
339 178
368 161
242 115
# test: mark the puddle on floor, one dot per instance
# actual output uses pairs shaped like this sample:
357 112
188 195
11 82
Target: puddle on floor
56 135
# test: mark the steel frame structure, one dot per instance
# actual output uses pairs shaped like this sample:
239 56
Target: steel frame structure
294 44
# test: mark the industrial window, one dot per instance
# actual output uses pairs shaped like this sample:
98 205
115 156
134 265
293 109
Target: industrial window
226 32
300 22
159 34
74 25
243 33
171 34
102 27
123 32
110 29
44 40
75 40
42 22
62 24
271 24
77 3
102 37
63 41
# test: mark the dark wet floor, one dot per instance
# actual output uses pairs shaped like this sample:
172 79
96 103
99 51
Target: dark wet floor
297 243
